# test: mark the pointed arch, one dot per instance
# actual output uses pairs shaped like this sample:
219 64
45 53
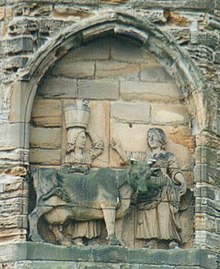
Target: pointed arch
161 45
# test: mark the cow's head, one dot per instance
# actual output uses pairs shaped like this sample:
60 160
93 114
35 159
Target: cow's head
140 175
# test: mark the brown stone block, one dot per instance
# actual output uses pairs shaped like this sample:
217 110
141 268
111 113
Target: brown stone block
131 112
12 235
69 12
49 138
13 206
99 127
16 193
172 114
131 137
74 69
114 69
98 89
15 221
44 156
183 135
151 91
184 158
58 87
46 113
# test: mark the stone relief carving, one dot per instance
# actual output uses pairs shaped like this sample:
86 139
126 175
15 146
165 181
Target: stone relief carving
157 208
77 118
74 199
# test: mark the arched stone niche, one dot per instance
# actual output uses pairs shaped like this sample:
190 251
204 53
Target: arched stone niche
184 90
128 92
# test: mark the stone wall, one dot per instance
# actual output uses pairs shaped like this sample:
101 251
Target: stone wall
34 34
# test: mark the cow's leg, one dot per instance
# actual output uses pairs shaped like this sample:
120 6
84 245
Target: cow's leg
109 217
60 238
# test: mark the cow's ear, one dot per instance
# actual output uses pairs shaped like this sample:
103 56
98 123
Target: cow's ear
151 161
133 161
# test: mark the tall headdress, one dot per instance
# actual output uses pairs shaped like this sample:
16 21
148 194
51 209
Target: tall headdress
77 115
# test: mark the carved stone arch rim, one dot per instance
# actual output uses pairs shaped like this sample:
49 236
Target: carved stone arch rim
169 54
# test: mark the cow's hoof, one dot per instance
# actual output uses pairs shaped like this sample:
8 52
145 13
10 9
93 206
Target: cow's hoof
78 242
113 241
65 242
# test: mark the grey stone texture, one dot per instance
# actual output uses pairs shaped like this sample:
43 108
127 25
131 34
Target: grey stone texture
158 71
43 256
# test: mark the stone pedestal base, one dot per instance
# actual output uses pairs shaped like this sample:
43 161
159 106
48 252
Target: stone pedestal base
43 256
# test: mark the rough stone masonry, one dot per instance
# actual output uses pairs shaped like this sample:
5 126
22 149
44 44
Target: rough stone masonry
167 74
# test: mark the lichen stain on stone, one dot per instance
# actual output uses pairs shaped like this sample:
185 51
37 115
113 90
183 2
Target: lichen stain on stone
77 14
174 18
183 136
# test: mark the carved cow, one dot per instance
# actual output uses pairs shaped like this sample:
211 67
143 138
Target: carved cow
99 194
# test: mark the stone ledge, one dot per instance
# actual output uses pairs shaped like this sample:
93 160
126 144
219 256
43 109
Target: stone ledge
28 251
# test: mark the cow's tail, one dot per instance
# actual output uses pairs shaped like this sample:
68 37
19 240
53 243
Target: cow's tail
58 191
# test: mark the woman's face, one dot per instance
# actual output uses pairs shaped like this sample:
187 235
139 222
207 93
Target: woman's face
81 140
153 140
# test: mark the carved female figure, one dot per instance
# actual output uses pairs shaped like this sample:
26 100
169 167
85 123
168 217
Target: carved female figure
157 217
156 211
76 152
82 159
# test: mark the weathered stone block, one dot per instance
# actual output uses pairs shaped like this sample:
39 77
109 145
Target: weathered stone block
75 69
13 63
11 157
206 192
16 45
49 138
98 89
124 134
152 91
122 50
23 26
15 221
209 39
217 57
94 50
99 127
41 256
207 173
204 155
12 235
183 135
208 240
49 27
13 135
154 72
58 87
131 112
207 206
189 4
13 206
113 69
163 114
49 157
46 113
